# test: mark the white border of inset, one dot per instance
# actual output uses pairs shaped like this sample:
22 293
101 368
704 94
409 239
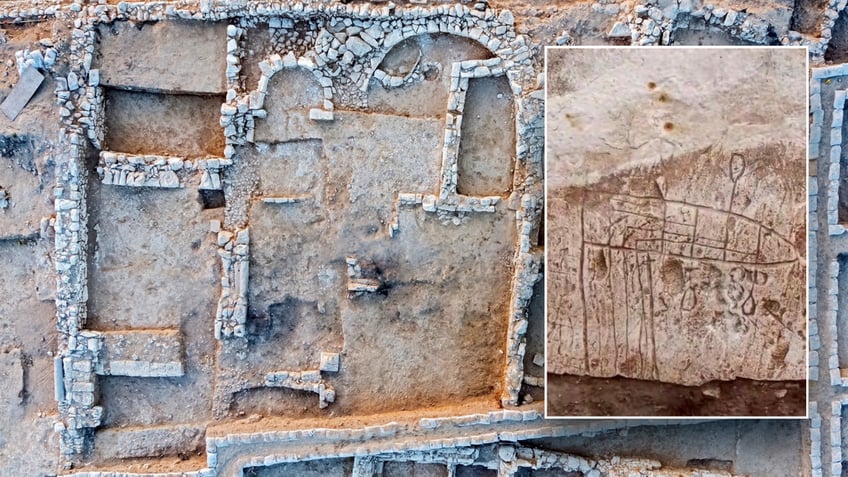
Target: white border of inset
807 255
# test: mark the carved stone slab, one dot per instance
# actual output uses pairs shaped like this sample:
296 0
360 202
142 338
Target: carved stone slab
676 247
20 95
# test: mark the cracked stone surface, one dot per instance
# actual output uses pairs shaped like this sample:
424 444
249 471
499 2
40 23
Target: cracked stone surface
677 214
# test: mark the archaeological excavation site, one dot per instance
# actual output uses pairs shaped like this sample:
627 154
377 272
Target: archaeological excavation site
308 238
676 229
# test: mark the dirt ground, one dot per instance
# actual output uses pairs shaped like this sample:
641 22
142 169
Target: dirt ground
147 272
585 396
806 17
150 268
386 344
160 60
487 150
430 341
26 168
27 283
27 344
130 130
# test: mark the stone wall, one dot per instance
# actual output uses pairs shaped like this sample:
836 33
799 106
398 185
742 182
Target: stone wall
234 250
150 170
303 381
825 245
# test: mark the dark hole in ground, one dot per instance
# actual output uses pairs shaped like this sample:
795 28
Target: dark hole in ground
212 199
431 72
771 37
837 49
19 149
384 288
259 325
806 16
474 471
280 321
711 464
548 473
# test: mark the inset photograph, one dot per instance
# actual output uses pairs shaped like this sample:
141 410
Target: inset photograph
676 232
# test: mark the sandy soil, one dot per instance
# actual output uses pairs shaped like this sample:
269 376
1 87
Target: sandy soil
28 330
130 130
160 60
151 268
585 396
487 148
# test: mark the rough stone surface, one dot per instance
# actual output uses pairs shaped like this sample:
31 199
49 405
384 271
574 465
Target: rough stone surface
687 259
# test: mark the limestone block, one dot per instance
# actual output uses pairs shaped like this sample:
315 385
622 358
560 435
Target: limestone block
149 353
316 114
330 362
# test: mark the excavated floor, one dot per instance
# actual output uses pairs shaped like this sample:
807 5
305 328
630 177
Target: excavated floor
431 342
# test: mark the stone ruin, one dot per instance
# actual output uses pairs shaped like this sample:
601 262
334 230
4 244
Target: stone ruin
348 49
108 348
